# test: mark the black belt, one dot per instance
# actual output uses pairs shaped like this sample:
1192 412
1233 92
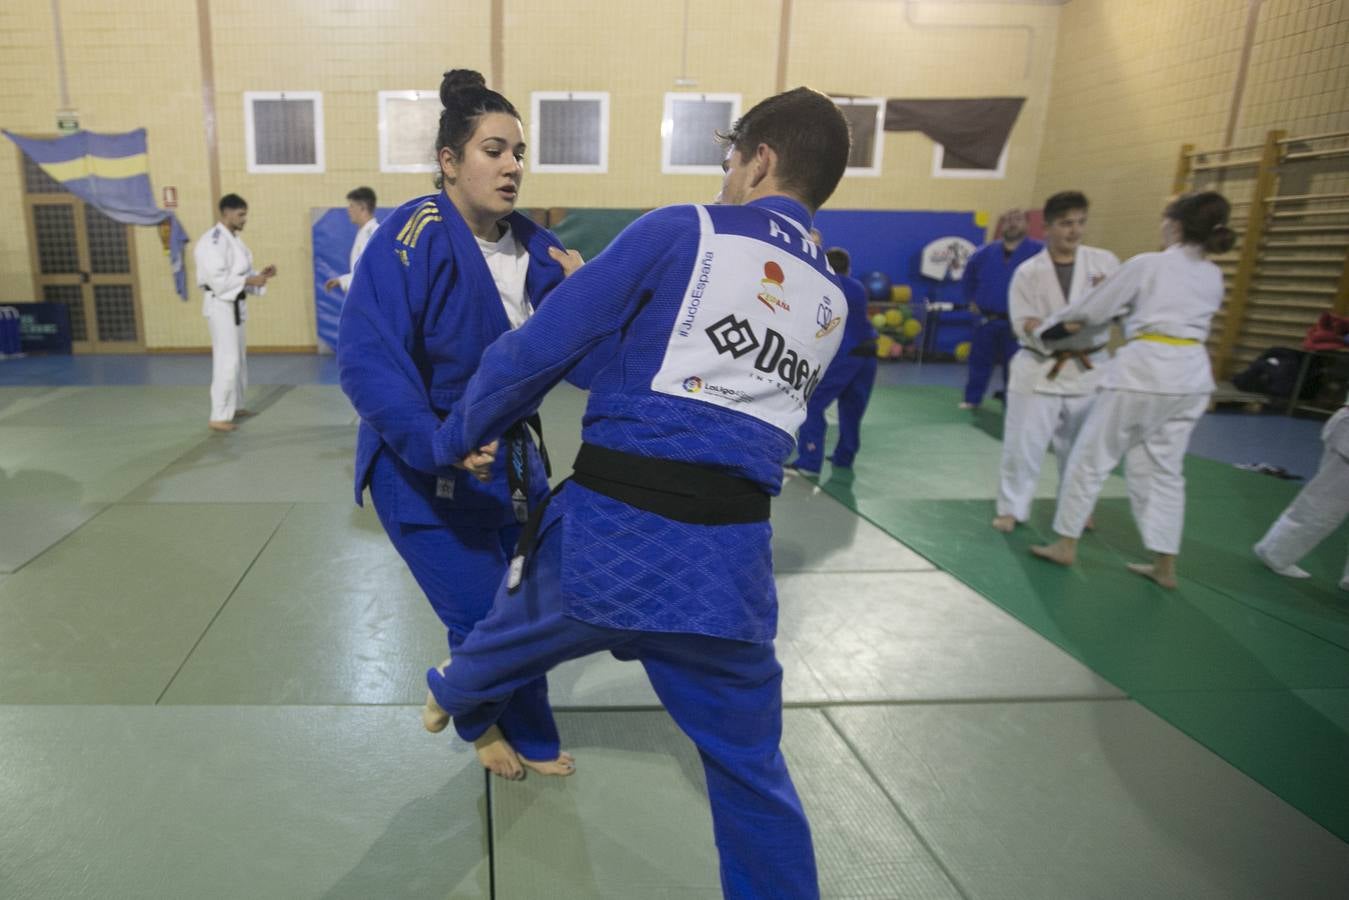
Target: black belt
516 440
993 315
684 492
866 348
1061 358
237 300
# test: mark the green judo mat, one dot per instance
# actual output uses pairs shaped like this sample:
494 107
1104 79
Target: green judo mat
1252 665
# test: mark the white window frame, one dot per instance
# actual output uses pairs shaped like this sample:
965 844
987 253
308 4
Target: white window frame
535 145
667 130
938 171
384 165
250 145
878 142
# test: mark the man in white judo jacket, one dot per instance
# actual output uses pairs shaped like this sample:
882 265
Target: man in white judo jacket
1317 510
226 275
1049 388
361 212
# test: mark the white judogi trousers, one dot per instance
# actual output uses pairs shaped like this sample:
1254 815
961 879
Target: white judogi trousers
229 362
1319 508
1150 432
1035 422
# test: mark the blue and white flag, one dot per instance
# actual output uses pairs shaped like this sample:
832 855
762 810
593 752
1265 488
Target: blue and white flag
111 172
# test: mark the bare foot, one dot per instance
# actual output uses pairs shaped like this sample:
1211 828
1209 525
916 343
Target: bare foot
1148 570
1005 524
1060 552
497 756
242 413
215 425
563 766
433 717
1091 523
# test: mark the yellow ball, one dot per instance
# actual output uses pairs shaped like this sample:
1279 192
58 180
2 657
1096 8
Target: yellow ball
962 351
894 318
883 345
878 320
912 327
901 293
981 218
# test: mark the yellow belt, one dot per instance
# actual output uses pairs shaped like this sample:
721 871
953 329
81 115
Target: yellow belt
1164 339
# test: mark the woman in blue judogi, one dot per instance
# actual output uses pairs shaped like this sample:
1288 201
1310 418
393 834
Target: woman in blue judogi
658 547
439 281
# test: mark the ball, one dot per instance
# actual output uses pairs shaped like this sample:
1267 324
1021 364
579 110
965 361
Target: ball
896 351
962 351
878 286
901 293
912 327
878 320
883 345
894 318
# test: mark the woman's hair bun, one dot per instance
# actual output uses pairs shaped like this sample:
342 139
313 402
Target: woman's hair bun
460 80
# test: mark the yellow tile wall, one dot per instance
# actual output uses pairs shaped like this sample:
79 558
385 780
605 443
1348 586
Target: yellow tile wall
1133 81
1112 90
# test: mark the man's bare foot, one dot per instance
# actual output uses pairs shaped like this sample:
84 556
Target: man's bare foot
1155 573
563 766
221 425
1005 524
497 756
1061 551
434 718
1091 523
242 413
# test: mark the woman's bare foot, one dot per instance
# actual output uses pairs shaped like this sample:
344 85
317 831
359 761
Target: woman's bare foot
1165 576
434 719
497 756
1063 551
1005 524
563 766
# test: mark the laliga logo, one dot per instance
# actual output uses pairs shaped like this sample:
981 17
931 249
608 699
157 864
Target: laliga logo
773 294
693 384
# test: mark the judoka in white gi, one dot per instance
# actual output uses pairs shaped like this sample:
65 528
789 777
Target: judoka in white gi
1051 384
226 275
1317 510
1156 387
361 211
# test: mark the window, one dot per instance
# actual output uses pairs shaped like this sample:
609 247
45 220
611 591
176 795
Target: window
946 164
408 124
689 132
569 131
866 119
284 131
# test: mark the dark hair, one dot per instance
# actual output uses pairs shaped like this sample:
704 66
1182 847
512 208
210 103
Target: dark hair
1063 203
466 98
1203 220
232 201
809 134
839 260
364 196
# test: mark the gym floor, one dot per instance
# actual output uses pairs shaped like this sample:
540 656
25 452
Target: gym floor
211 664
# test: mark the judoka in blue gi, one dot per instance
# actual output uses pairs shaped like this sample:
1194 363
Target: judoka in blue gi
848 380
657 549
439 281
988 276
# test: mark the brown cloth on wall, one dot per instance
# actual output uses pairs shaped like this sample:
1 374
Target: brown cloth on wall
972 131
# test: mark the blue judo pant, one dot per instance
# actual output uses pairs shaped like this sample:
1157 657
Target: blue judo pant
459 569
993 344
726 696
848 380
